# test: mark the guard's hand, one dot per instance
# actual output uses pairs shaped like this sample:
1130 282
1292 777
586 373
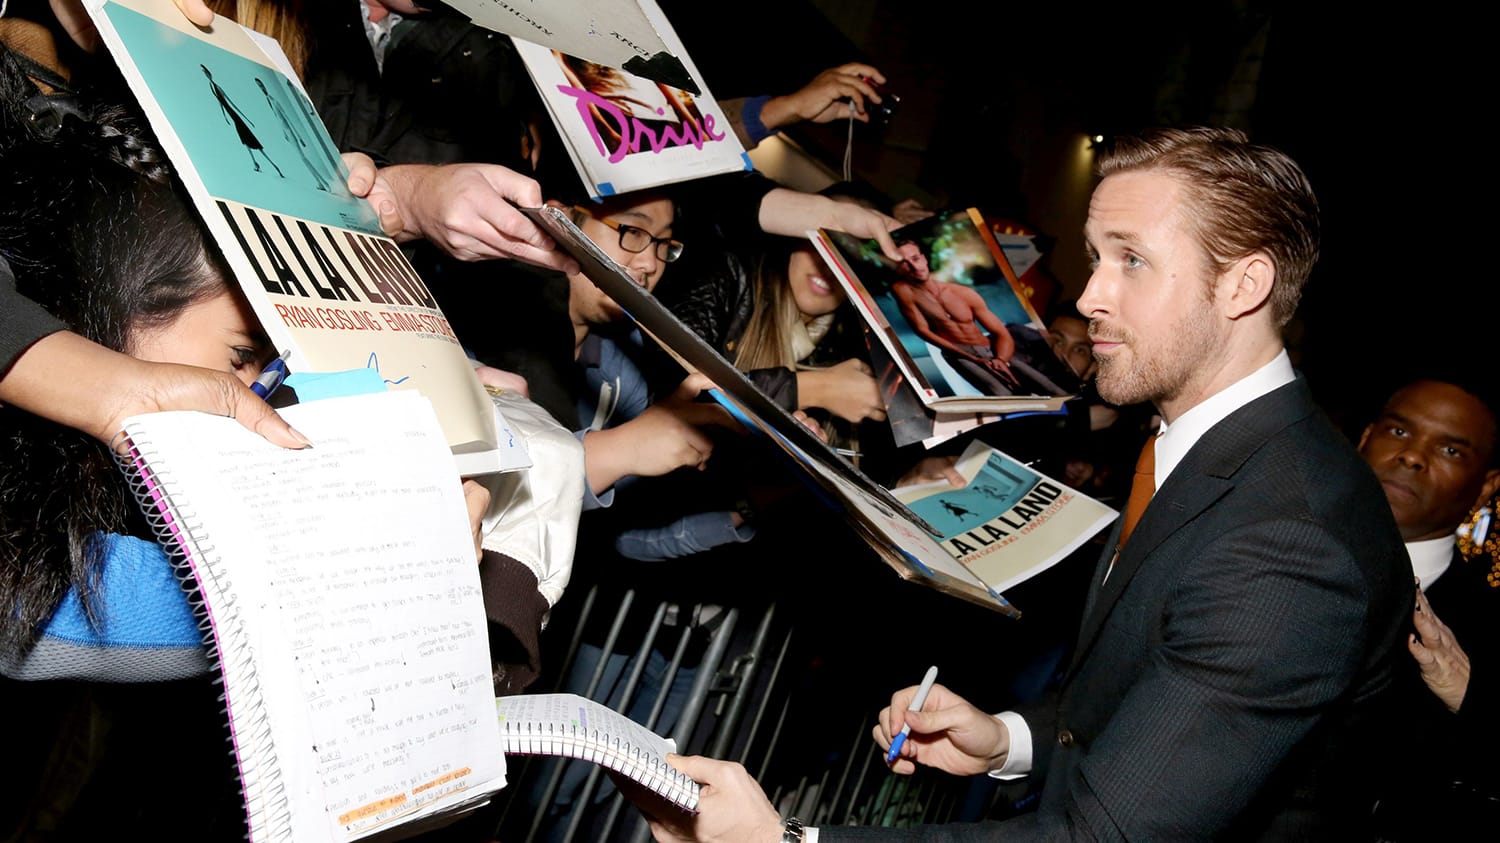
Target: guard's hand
1443 663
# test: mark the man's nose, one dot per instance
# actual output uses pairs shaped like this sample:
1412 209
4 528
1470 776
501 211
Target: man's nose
646 265
1412 457
1091 302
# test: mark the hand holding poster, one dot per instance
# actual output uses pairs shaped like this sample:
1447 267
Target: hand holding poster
323 279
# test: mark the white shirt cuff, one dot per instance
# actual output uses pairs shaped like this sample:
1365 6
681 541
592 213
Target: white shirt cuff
1018 761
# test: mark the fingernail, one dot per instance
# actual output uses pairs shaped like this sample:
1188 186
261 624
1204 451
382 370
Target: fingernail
297 434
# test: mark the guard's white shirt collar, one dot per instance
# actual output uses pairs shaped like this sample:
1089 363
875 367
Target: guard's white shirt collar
1430 558
1176 439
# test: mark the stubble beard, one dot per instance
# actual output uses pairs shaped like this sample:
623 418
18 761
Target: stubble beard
1151 372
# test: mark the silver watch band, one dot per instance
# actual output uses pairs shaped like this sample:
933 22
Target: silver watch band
792 831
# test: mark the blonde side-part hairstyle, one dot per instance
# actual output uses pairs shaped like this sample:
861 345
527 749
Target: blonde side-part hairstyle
1244 197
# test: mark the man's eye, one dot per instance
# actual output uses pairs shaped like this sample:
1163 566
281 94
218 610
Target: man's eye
1133 261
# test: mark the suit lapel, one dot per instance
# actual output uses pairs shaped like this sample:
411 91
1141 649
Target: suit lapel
1204 476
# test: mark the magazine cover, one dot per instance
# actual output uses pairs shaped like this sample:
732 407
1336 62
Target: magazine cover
610 32
327 285
951 316
1008 522
625 132
900 537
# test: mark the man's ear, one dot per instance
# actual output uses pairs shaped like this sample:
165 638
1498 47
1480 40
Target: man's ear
1246 286
1363 437
1490 486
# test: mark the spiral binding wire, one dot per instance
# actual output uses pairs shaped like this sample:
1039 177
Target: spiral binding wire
639 763
177 528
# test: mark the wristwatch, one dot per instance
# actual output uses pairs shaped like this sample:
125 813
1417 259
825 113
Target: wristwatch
792 831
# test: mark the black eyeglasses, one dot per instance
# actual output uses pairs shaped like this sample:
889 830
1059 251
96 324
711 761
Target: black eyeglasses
636 240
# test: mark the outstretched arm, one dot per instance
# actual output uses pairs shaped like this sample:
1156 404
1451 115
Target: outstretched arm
469 210
70 380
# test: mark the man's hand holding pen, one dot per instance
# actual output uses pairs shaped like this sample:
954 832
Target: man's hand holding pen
948 733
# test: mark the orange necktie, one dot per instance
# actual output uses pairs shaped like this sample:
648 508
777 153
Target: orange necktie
1141 489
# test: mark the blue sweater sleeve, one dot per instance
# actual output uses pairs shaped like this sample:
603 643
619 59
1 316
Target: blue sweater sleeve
687 535
146 630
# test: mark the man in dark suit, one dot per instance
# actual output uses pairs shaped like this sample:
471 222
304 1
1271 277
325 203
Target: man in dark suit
1238 646
1433 447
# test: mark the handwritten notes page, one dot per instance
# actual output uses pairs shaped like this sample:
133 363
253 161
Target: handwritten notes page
344 595
578 727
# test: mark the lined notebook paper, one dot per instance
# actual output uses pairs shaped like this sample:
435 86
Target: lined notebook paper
339 594
577 727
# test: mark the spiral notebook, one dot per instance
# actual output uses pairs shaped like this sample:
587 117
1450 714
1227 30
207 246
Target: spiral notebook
340 601
577 727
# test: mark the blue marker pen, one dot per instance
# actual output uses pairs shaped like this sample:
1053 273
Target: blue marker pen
271 376
916 705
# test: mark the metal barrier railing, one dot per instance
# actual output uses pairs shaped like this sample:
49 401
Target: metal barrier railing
737 707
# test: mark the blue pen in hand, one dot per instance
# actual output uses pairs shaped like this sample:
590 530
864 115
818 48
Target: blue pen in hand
271 376
916 705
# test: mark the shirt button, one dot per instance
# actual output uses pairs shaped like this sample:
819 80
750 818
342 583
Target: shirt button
1065 739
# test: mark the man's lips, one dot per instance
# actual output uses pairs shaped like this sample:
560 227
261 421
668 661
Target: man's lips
1396 491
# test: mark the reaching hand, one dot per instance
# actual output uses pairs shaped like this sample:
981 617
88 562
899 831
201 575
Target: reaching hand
948 733
826 98
469 210
793 213
1444 664
732 807
364 178
848 390
811 424
864 222
931 470
170 386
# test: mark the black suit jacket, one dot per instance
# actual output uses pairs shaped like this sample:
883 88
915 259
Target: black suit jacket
1229 675
1448 784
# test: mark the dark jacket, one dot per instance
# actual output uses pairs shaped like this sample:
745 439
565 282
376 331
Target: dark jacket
1234 675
